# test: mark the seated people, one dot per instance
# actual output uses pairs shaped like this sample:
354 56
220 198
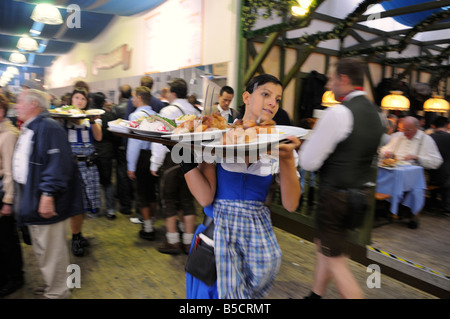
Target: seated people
411 144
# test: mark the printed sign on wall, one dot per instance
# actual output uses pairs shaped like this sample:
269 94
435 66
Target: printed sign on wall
173 36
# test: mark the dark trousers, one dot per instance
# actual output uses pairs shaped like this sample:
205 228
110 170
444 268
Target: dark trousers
125 190
10 251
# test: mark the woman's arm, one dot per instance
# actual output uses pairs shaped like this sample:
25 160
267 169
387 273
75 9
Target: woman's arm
289 182
97 131
202 183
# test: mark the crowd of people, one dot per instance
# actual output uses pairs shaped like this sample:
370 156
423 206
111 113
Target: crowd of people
54 172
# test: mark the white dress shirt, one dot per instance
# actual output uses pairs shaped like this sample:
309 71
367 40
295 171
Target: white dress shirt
225 113
421 145
22 153
171 112
326 135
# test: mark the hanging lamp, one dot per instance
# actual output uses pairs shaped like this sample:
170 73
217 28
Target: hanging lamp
328 99
12 70
395 101
46 13
27 44
302 8
436 104
17 57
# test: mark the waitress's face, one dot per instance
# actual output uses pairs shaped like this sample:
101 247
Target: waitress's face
79 100
265 98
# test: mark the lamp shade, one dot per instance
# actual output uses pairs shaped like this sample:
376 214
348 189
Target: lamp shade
328 99
7 75
395 101
46 13
27 44
436 104
12 70
17 57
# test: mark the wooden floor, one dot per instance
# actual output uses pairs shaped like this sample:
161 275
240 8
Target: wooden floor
428 245
120 265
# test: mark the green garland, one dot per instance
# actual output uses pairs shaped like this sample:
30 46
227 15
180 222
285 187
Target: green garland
403 43
253 10
340 29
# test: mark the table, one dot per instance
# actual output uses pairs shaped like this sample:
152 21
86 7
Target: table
405 184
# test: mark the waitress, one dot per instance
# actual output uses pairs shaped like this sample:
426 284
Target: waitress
81 134
247 254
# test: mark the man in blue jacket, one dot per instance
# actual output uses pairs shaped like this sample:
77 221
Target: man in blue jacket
48 189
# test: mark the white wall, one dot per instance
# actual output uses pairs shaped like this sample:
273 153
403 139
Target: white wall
219 41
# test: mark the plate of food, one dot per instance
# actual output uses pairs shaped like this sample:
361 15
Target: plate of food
206 128
184 118
388 163
119 125
94 112
153 125
67 110
248 135
73 111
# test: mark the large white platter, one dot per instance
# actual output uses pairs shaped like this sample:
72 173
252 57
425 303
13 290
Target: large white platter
147 133
263 141
198 136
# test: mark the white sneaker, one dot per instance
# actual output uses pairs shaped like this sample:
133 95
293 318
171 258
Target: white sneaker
136 220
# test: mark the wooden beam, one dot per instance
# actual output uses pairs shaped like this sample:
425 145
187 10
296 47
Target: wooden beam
406 10
253 53
300 60
268 45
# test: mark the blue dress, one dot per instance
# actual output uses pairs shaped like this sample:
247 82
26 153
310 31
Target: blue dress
81 140
246 251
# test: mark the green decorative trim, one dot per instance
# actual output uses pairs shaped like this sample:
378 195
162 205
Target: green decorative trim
252 10
340 29
403 43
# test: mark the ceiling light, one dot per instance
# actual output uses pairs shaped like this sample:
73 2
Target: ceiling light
17 57
27 44
302 8
328 99
436 104
12 70
395 101
47 13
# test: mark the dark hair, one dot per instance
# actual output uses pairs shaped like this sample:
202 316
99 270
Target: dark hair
4 103
227 89
80 90
353 68
260 80
98 99
144 93
147 81
179 87
440 121
82 84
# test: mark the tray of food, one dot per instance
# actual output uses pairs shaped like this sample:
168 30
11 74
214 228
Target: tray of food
153 125
201 128
248 135
72 111
119 125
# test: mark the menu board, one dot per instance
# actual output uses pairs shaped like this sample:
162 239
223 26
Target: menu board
173 36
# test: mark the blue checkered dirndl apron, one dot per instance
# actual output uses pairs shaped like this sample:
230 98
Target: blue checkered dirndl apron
247 254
